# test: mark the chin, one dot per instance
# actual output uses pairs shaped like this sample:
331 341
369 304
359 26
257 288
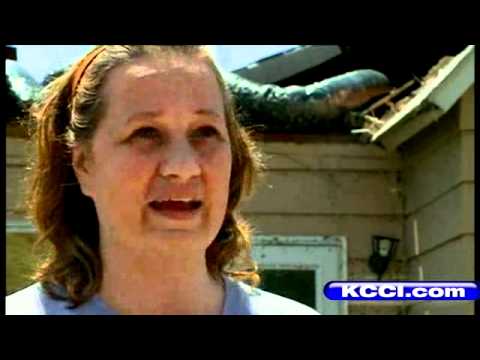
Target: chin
187 236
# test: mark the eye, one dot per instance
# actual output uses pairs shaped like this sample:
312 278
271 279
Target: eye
148 133
206 132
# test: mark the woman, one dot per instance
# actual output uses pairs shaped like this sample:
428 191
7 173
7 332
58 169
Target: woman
140 166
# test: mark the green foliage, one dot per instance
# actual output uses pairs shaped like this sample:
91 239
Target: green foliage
14 107
52 76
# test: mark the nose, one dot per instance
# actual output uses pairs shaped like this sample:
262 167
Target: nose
179 161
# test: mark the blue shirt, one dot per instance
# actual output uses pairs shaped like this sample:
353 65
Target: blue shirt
240 299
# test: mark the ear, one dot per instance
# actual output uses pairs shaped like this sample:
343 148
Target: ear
82 166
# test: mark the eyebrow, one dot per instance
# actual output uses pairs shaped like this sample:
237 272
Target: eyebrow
153 114
208 112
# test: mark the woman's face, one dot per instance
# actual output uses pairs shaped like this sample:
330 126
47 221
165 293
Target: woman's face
160 160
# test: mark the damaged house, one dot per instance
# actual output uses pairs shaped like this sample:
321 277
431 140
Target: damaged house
381 153
363 146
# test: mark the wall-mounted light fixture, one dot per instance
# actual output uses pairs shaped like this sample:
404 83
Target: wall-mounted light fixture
383 250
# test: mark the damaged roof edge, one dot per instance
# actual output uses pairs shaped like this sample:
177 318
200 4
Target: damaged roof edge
431 102
286 64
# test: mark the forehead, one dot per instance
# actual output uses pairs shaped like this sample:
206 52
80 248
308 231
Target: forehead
149 83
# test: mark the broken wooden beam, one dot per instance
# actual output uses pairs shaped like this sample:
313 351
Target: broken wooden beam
387 99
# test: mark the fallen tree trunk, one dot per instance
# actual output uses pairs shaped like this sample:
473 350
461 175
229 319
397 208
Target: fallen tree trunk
318 107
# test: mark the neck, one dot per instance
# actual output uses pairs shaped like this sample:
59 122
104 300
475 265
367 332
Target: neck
142 282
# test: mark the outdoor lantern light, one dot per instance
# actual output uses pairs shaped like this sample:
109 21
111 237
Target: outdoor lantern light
383 250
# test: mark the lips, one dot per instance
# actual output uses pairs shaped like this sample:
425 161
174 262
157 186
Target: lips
175 205
176 209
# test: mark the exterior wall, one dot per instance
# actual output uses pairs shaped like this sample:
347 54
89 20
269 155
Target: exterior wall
20 257
16 162
439 187
333 187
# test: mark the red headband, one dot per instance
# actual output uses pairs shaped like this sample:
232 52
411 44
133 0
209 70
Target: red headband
82 67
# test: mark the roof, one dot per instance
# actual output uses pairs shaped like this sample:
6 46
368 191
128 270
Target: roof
439 90
288 78
288 63
11 53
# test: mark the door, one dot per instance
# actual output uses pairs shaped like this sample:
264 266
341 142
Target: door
298 267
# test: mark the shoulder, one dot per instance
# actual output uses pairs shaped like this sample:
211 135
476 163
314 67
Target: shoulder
28 301
244 299
34 300
265 303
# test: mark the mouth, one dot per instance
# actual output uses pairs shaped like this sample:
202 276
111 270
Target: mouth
176 209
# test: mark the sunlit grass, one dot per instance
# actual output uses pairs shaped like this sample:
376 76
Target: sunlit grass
21 261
